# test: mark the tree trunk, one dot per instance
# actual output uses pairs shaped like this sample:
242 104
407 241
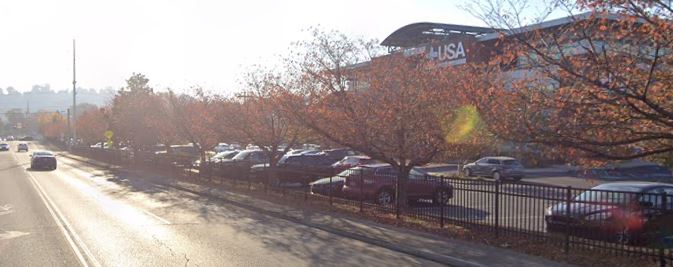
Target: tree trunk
401 192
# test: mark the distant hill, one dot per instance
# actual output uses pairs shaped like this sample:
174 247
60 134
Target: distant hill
41 98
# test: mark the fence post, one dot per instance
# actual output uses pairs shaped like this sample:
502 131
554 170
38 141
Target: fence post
497 208
397 196
662 244
266 182
250 183
362 182
276 176
460 170
221 174
566 246
441 204
330 190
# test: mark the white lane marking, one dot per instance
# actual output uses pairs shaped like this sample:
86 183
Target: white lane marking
73 239
154 216
90 176
4 235
6 209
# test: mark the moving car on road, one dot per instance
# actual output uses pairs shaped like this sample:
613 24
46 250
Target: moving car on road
378 181
498 168
22 147
43 160
4 147
624 212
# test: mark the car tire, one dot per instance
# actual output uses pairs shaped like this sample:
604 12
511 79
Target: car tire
497 176
468 172
441 197
385 197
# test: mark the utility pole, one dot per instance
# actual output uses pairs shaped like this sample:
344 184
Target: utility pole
69 129
74 96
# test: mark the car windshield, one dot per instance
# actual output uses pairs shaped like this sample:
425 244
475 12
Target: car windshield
43 153
243 155
225 155
606 197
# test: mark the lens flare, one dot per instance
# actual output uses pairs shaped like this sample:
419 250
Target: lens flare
462 124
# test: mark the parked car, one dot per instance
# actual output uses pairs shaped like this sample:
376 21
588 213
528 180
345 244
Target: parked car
206 167
302 168
623 212
339 153
331 185
101 145
224 155
181 155
294 152
352 161
221 147
4 147
26 138
377 182
44 160
498 168
22 147
239 166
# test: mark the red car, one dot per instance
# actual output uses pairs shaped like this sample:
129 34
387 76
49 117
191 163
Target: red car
378 181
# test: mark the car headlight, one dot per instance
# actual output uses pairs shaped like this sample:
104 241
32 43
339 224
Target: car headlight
604 215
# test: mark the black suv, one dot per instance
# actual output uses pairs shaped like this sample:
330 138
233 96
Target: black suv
296 169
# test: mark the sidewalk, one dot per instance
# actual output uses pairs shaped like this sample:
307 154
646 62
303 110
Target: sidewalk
446 251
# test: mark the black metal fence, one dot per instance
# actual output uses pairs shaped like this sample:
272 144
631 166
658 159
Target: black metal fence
636 220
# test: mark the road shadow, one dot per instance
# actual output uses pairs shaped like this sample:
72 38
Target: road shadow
282 235
29 169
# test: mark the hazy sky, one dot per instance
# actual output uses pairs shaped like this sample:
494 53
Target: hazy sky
180 44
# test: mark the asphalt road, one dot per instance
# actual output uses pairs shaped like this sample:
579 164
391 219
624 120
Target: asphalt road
81 215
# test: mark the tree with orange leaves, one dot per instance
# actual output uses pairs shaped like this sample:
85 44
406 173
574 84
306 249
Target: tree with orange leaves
92 124
392 108
138 114
195 119
258 118
598 86
52 125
